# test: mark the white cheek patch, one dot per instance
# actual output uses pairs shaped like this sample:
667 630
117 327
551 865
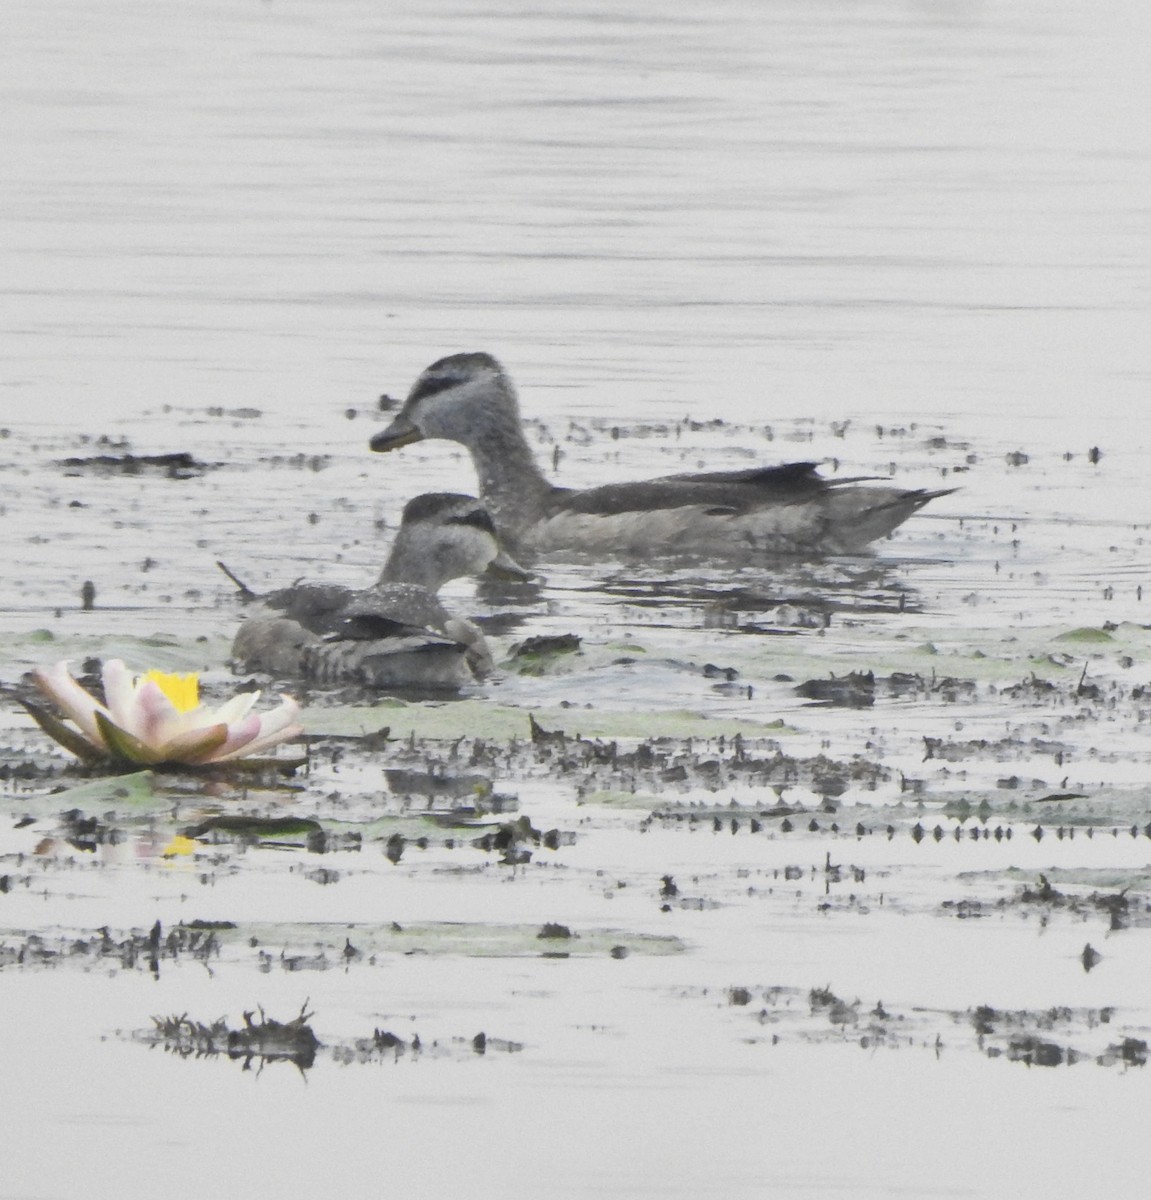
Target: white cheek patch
462 550
423 415
439 414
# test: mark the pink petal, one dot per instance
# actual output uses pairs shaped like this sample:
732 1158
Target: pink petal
236 708
157 718
285 713
275 727
193 746
260 744
78 705
120 693
240 734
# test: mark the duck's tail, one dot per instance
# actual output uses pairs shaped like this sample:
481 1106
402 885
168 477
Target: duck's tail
857 516
246 592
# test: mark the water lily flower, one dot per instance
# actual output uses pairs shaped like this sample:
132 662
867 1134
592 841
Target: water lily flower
157 718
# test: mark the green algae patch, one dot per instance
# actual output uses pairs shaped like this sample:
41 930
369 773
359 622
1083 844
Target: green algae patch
159 649
642 801
353 720
337 942
1048 808
494 722
1137 879
979 654
308 947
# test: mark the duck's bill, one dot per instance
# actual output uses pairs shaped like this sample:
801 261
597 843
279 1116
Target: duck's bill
401 432
504 567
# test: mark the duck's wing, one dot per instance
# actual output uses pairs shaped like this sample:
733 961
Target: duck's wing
314 605
724 492
376 627
380 654
390 610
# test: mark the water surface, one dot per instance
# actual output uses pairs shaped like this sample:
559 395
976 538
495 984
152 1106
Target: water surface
909 238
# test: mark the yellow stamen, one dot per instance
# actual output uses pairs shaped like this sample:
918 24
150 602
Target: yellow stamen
182 690
180 845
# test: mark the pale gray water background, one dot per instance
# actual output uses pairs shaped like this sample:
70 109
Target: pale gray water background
929 217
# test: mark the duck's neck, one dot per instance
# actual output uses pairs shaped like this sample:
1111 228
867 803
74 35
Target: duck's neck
409 562
512 486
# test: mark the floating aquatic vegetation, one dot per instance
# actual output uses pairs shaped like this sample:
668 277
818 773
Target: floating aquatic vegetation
251 829
178 464
859 689
157 719
538 655
1044 1037
123 950
261 1039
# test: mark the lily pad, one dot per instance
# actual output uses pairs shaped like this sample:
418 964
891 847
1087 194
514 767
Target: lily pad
1085 634
255 828
136 790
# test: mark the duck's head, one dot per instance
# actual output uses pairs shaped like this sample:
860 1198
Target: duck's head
457 398
444 536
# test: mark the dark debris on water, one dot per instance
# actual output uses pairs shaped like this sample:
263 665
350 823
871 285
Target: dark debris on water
859 689
1032 1037
1121 909
178 464
136 949
261 1039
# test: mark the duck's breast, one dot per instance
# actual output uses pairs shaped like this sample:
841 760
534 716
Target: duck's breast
270 642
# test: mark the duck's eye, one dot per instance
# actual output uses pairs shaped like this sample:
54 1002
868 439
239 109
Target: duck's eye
430 385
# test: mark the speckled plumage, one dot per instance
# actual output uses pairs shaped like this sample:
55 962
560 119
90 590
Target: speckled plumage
396 633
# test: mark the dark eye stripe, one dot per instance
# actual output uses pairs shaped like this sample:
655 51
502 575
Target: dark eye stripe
430 385
449 508
478 518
